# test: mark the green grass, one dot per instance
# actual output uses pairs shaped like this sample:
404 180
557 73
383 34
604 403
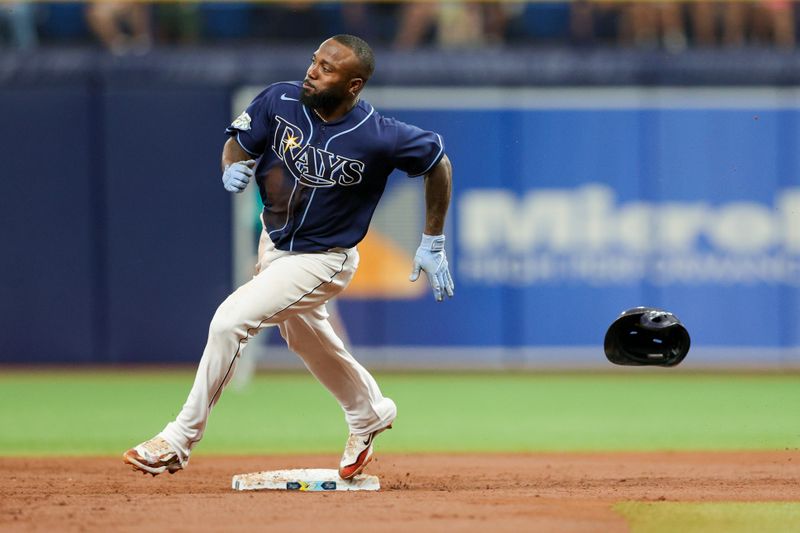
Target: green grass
61 413
738 517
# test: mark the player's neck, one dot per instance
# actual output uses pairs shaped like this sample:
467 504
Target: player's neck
329 115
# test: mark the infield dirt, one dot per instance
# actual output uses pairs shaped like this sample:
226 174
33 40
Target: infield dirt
468 492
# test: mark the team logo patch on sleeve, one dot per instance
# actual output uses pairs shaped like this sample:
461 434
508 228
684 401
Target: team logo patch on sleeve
242 122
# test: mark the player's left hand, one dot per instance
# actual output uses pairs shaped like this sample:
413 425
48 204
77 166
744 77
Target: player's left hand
431 258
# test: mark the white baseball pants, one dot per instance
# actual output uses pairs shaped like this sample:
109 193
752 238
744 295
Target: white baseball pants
290 290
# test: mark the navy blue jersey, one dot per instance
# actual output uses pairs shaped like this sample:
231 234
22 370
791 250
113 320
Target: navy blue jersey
321 181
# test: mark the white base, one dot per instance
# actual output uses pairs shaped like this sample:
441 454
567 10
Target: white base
304 479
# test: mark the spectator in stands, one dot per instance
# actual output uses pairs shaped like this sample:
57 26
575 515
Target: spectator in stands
287 22
18 19
581 21
375 22
773 21
416 23
713 22
592 22
122 27
763 21
453 24
177 22
650 24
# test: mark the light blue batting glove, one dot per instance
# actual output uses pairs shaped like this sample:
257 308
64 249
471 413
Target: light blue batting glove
431 258
237 175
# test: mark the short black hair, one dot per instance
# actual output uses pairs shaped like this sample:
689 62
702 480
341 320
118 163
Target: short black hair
362 51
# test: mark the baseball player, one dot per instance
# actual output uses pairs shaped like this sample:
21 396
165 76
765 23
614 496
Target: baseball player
321 157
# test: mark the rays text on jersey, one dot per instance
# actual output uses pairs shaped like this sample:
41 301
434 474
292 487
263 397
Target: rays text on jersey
311 166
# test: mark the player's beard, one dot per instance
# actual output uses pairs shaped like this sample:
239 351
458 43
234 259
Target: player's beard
324 101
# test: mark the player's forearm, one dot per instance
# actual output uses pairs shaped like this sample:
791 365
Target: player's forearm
232 152
438 185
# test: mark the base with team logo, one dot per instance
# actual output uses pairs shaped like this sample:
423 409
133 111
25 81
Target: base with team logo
304 480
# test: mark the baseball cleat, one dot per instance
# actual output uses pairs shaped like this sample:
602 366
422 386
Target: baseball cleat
358 450
154 456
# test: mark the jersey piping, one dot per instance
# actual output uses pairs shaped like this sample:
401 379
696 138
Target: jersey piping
311 199
294 188
243 147
351 158
302 220
289 203
371 110
435 159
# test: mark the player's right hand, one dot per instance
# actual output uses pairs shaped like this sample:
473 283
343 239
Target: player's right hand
237 175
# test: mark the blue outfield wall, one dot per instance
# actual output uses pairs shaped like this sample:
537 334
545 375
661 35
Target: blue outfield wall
47 273
115 231
569 206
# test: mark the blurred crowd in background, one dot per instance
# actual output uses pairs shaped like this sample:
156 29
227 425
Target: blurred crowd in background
137 27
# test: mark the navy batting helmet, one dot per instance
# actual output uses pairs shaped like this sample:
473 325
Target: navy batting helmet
645 336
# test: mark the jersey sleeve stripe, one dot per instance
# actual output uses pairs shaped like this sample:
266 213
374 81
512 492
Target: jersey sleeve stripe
238 140
435 159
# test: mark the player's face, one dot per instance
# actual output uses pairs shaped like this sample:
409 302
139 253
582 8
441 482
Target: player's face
330 78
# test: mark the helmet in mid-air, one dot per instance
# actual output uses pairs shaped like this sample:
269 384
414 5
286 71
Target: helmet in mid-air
646 336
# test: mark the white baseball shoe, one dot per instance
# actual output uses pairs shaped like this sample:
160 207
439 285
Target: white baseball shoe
154 456
358 450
